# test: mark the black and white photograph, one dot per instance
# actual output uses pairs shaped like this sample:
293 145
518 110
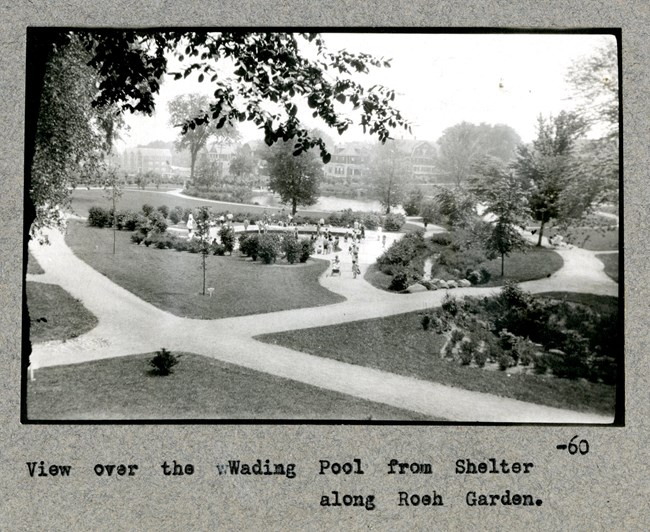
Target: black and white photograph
357 226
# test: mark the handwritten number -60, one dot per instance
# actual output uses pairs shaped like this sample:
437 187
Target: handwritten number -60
581 447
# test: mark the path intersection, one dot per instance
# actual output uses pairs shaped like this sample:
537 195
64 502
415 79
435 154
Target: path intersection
128 325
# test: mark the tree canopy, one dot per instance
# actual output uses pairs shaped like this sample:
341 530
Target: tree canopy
500 194
122 71
390 173
295 178
549 170
183 108
462 145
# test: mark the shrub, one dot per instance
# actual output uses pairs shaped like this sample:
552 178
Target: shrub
164 210
180 244
249 245
176 215
480 357
370 220
227 237
443 239
404 276
194 246
163 362
457 336
158 222
450 305
291 248
186 214
99 217
403 252
137 238
218 249
425 320
129 220
147 209
474 277
393 221
505 361
466 352
306 249
268 247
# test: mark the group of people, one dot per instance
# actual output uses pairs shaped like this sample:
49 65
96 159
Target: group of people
335 266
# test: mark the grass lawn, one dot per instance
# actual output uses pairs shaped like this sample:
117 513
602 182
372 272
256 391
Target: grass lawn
83 199
66 316
536 263
172 280
593 238
610 260
398 344
33 266
200 388
602 304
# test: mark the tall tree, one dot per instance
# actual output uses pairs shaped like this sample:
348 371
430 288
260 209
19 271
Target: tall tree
499 192
113 191
294 177
243 164
202 233
270 73
594 83
462 145
548 169
390 173
71 137
181 109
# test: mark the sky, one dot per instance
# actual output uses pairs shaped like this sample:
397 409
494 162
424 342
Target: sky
440 80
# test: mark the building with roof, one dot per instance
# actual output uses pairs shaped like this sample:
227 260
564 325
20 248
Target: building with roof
143 160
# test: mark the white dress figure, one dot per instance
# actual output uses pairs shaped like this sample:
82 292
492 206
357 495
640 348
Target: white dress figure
190 226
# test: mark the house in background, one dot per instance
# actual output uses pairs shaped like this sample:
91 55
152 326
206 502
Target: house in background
143 160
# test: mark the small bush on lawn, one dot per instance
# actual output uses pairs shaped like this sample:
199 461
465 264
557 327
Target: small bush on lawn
194 246
137 238
180 244
306 249
480 357
505 361
147 209
405 276
425 321
227 236
466 352
158 222
403 252
164 210
218 249
269 247
163 362
99 217
176 215
291 248
394 221
249 245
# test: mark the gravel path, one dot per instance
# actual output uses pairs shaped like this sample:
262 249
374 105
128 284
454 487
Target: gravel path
128 325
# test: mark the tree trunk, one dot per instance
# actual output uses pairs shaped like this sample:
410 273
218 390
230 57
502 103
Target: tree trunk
294 207
541 233
192 163
203 268
114 221
502 262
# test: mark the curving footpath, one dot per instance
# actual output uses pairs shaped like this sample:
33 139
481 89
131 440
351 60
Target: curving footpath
128 325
